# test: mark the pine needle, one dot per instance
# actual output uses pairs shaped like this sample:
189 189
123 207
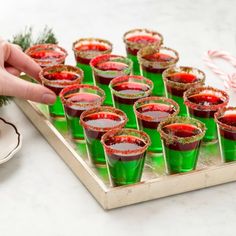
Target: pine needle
46 36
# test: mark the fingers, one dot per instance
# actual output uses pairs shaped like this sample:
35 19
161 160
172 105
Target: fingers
16 58
14 86
12 70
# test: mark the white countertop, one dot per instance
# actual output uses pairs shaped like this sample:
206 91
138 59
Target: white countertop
39 195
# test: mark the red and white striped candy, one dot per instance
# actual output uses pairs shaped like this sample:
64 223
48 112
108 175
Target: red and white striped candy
229 79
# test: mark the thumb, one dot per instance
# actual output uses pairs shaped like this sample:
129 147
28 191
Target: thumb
13 86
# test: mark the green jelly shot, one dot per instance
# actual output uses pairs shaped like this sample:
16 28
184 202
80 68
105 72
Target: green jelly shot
153 61
76 99
226 126
56 78
96 122
85 49
126 90
135 40
202 103
125 151
107 67
150 112
177 80
181 139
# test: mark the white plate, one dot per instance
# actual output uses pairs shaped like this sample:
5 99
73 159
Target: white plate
10 140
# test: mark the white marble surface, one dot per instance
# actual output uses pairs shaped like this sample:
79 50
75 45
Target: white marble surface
39 195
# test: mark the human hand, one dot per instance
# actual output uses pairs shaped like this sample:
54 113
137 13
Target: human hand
12 62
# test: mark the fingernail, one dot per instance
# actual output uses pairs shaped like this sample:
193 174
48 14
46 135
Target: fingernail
48 98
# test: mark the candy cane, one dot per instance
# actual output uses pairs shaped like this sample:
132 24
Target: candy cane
229 79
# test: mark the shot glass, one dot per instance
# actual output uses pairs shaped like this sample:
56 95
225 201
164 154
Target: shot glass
126 90
150 112
96 122
47 54
56 78
153 61
177 80
85 49
202 103
125 154
76 99
107 67
138 38
181 139
226 126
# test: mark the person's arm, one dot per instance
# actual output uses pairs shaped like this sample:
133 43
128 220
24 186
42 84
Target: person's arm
12 62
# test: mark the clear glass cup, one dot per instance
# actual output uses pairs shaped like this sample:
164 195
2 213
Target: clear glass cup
85 49
125 154
107 67
56 78
96 122
181 139
150 111
138 38
177 80
153 61
202 103
76 99
225 119
126 90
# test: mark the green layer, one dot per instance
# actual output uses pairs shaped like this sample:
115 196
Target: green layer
136 67
57 108
88 75
180 101
128 110
228 149
74 127
106 89
95 151
156 78
180 161
125 172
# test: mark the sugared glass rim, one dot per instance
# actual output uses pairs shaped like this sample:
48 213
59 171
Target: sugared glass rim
186 69
42 62
155 100
115 58
59 68
101 109
135 45
81 86
220 114
125 132
126 78
85 41
170 138
197 90
149 50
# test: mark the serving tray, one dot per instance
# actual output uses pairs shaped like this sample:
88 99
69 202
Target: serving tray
155 183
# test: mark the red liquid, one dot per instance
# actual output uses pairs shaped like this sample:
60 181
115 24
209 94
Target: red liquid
80 98
62 75
125 143
142 39
206 100
158 112
182 78
129 88
46 54
92 49
182 131
157 57
110 65
101 120
229 119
